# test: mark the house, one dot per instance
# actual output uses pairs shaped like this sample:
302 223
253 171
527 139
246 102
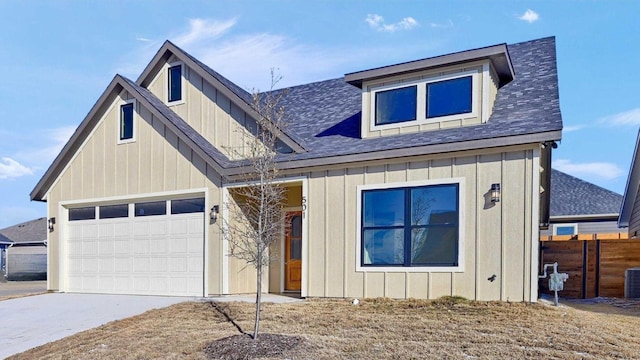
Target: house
580 207
462 139
24 255
630 209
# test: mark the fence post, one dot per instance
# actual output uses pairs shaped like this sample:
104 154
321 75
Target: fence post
585 267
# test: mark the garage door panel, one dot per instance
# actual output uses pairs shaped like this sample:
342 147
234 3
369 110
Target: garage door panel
150 255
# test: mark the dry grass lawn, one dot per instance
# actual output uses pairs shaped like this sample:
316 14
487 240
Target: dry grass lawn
375 329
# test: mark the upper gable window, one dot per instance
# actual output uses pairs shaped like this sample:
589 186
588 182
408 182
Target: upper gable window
396 105
174 83
127 124
449 97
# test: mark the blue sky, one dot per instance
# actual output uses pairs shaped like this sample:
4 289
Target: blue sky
58 57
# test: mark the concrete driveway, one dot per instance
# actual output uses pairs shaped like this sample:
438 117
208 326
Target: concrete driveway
31 321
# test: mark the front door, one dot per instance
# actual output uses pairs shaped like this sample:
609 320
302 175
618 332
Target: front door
293 251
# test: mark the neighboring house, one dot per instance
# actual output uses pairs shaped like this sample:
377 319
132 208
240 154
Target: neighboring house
463 140
4 244
25 257
580 207
630 209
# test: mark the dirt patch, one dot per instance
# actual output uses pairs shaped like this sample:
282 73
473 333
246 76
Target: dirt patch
240 347
375 329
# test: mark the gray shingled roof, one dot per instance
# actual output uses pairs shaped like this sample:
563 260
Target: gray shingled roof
571 196
326 115
30 231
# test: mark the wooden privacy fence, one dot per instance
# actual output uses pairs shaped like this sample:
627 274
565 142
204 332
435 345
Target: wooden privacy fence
596 263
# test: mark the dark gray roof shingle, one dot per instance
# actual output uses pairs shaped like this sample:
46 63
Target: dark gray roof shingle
571 196
326 115
30 231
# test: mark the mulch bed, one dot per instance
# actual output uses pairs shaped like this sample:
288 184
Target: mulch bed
240 347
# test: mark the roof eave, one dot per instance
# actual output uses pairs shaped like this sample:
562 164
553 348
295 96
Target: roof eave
497 54
413 151
39 191
168 49
631 188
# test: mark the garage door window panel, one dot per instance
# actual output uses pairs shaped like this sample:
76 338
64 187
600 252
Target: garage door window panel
187 206
151 208
114 211
83 213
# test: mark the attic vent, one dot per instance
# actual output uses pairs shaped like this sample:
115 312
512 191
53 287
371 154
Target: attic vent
632 283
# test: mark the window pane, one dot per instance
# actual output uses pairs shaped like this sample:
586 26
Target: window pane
296 226
383 207
449 97
383 247
434 205
85 213
296 249
114 211
151 208
565 230
187 206
434 245
397 105
175 83
126 121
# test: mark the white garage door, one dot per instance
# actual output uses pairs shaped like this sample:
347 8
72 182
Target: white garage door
136 249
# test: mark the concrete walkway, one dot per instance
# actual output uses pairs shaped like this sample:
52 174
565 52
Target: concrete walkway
32 321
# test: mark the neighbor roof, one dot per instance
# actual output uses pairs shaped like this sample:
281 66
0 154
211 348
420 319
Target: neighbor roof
573 197
324 117
27 232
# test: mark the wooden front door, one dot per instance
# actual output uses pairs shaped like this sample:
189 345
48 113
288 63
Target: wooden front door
293 251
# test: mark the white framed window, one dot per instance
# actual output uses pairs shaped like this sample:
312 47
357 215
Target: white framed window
433 99
127 122
175 83
411 227
565 229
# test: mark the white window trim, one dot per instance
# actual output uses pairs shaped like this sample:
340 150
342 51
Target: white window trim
421 103
556 226
166 83
135 121
413 269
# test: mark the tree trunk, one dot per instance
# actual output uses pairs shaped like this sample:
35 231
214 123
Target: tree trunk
258 299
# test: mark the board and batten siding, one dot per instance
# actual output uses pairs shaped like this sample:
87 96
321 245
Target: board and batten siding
634 221
498 238
208 111
156 162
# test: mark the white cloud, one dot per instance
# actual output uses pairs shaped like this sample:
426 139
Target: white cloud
143 39
631 117
446 25
10 168
599 170
377 22
572 128
529 16
203 29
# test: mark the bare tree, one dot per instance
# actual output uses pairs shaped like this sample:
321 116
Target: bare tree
256 220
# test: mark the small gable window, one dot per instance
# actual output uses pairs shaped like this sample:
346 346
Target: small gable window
449 97
126 121
175 83
396 105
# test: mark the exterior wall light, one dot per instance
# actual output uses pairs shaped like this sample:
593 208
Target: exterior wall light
50 223
495 193
215 210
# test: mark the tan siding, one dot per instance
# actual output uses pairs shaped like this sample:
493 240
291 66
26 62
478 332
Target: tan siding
634 221
103 170
496 239
317 238
334 229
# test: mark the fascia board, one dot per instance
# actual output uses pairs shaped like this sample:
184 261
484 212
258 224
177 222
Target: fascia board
413 151
87 124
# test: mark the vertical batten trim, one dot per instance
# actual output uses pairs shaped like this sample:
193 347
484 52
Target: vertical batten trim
535 221
477 220
345 261
224 273
503 247
486 76
326 232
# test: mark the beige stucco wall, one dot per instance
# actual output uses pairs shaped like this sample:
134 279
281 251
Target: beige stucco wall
498 239
157 162
483 68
